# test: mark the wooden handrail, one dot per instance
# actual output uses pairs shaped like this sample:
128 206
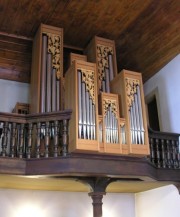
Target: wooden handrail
31 118
163 135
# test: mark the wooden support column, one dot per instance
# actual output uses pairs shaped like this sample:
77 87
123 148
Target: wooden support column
98 190
97 203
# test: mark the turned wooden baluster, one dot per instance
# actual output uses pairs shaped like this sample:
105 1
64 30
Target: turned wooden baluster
5 138
152 150
177 154
174 160
168 155
56 136
47 138
158 162
163 154
29 147
65 138
21 135
13 140
38 139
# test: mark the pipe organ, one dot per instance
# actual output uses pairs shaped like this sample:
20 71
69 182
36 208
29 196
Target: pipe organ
47 82
108 108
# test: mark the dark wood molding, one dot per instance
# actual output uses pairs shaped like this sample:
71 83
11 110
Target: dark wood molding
97 165
12 166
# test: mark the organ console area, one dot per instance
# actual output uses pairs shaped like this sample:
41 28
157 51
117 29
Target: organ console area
108 109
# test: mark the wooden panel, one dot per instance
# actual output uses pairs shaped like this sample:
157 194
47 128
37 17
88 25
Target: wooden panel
74 56
15 58
152 40
144 35
23 17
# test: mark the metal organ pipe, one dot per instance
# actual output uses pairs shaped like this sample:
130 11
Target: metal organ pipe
107 80
57 94
53 90
111 71
80 103
43 73
93 121
48 88
90 118
87 113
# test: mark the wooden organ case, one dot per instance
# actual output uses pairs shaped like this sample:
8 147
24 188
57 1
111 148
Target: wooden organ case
109 124
128 85
102 52
47 82
81 97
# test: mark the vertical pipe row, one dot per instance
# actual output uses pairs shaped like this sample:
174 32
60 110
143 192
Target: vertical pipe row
108 74
50 85
136 119
86 111
111 127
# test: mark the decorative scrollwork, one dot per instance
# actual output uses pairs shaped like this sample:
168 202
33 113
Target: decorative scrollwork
88 76
54 47
110 103
131 89
102 60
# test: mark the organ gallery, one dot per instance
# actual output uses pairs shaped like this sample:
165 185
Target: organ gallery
108 109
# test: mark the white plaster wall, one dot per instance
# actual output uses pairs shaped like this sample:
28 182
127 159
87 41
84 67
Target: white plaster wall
15 203
160 202
12 92
167 81
119 205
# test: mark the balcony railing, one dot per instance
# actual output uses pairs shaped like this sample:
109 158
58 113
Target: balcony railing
34 135
46 135
164 148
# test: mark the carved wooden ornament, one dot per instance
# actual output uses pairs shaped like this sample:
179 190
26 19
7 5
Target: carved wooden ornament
88 76
102 60
131 89
54 47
